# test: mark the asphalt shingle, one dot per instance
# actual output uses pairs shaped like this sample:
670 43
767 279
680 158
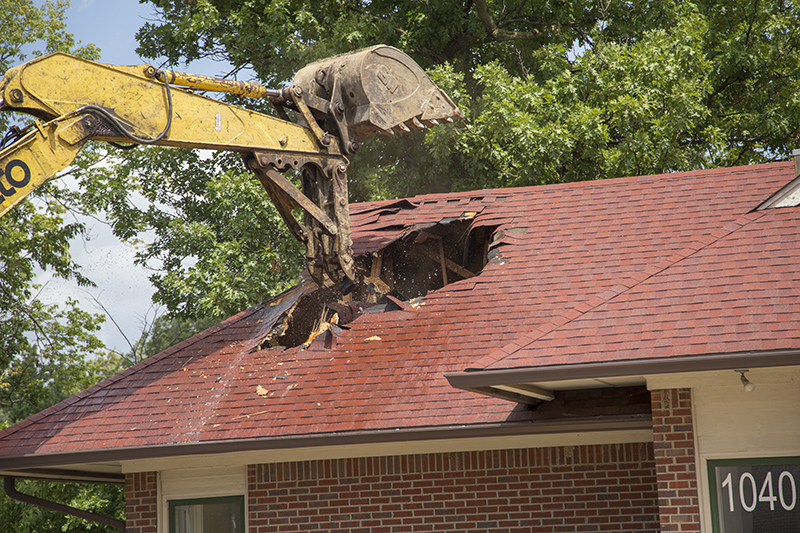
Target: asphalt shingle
619 269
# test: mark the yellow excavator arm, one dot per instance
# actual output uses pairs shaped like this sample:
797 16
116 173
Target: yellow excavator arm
340 101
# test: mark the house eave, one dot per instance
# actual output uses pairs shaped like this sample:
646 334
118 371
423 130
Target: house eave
31 465
488 382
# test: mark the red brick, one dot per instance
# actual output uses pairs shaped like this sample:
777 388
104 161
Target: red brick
674 454
141 502
488 497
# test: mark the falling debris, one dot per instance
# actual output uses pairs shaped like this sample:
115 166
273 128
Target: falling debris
297 322
326 321
261 391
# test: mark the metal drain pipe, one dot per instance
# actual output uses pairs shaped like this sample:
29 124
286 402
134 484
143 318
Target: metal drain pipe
11 492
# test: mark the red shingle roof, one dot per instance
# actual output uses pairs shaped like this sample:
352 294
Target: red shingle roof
629 268
734 290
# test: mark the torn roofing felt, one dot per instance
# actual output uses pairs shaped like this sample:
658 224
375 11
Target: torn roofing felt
542 258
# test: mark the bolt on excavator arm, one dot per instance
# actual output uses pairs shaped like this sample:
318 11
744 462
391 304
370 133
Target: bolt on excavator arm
340 101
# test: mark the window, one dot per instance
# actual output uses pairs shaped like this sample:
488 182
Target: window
207 515
751 495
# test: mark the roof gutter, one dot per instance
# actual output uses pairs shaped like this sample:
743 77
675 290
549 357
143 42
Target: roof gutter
475 379
10 465
66 476
11 492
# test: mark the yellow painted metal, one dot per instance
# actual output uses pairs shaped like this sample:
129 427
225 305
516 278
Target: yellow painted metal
58 84
67 91
378 89
251 89
38 156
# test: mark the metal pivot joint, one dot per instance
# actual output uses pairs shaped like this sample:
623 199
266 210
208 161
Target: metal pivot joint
325 228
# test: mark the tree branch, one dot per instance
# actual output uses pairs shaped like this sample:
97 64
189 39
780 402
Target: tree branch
25 311
498 34
376 19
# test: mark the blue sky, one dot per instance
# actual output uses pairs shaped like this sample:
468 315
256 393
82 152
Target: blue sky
111 25
123 289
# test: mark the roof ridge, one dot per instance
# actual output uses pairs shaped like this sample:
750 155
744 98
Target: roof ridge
596 300
75 398
360 208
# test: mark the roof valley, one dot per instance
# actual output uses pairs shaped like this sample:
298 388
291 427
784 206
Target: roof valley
594 301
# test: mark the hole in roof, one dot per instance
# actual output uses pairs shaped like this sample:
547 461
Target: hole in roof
298 323
427 259
424 259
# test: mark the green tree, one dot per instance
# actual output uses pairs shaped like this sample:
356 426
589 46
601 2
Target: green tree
39 344
47 352
164 332
216 243
621 109
553 90
105 500
24 24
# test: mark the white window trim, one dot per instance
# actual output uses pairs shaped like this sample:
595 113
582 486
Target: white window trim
192 483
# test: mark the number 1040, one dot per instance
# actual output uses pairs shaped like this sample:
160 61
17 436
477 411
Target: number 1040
784 491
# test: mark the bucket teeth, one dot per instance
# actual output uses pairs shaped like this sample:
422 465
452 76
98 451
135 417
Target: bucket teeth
414 123
377 90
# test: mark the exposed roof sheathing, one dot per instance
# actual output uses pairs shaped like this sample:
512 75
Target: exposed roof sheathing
673 265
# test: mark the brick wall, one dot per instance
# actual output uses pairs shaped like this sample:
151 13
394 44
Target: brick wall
574 488
141 502
673 444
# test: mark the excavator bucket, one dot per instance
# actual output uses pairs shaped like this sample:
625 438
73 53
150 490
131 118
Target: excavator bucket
378 89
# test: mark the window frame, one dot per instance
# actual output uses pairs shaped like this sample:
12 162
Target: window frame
172 504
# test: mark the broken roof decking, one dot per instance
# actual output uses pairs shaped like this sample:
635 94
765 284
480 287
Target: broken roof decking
576 269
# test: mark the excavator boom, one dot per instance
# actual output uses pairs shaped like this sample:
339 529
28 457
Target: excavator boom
340 101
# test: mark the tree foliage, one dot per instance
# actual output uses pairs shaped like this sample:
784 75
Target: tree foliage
167 331
42 347
214 241
106 500
24 24
553 90
47 352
